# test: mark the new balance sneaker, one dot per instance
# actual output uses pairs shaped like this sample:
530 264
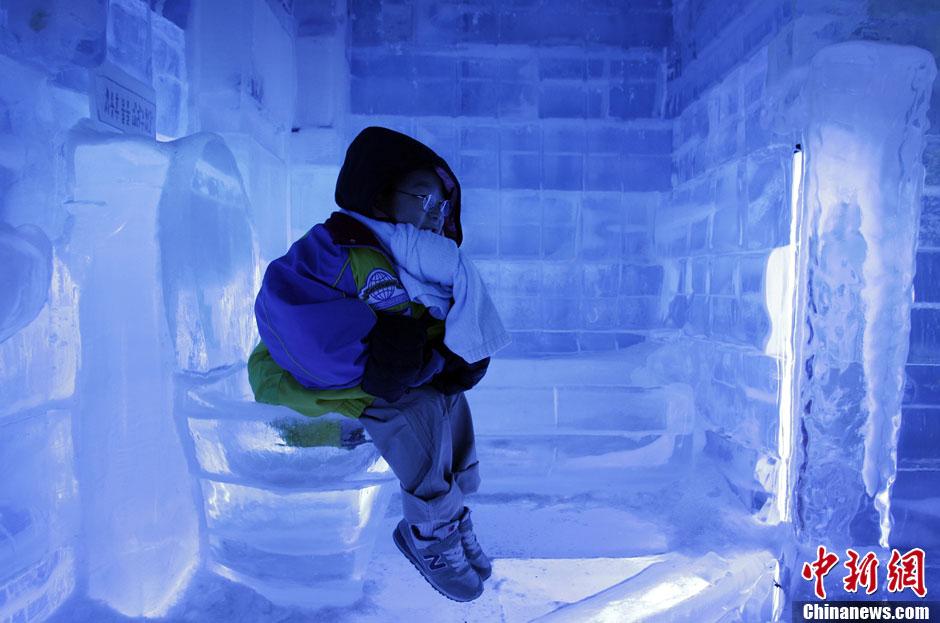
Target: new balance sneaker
471 547
442 562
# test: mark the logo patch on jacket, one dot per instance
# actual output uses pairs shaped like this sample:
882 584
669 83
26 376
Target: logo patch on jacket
382 290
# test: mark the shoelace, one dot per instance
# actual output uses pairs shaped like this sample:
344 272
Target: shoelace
455 555
471 543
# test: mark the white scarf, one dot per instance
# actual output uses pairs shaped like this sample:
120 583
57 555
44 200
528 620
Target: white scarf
433 270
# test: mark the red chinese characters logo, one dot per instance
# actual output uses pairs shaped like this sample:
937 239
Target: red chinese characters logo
903 571
819 568
907 571
864 572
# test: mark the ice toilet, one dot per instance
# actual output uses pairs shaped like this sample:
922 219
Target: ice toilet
167 300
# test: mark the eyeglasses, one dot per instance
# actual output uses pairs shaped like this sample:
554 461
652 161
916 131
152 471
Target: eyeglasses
443 205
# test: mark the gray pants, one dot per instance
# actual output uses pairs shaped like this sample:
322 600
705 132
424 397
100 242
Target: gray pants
427 439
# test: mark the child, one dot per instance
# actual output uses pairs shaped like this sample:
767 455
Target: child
339 334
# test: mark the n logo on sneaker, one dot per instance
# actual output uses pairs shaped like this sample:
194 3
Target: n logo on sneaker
436 562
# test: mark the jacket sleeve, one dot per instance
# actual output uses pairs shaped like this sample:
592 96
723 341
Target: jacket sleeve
456 374
310 326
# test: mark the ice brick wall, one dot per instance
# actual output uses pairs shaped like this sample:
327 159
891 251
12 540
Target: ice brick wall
552 116
728 210
914 504
862 196
42 50
316 144
170 80
735 73
915 498
241 63
49 55
919 443
151 49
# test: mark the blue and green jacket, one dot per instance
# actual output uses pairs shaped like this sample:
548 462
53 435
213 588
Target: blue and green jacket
318 302
316 306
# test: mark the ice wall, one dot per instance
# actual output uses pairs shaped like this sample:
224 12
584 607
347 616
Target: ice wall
59 34
170 79
150 50
727 214
39 343
867 108
50 56
553 118
735 80
915 501
317 145
39 493
569 155
243 88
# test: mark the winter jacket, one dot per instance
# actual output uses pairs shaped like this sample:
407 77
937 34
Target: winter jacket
318 302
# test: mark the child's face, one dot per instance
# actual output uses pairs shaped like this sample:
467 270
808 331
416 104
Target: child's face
406 208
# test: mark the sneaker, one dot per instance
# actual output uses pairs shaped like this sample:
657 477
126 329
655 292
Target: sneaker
471 547
442 562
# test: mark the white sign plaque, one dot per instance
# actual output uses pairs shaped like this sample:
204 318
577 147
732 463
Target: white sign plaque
126 106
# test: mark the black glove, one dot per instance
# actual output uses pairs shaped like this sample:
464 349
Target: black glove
458 375
396 356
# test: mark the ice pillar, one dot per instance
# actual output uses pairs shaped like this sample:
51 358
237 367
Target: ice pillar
867 106
140 522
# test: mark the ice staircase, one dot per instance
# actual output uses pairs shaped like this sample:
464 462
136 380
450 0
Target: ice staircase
567 421
574 451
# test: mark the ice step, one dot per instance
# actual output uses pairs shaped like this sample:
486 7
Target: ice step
528 588
562 407
586 457
255 453
519 590
708 588
511 526
514 396
524 585
583 393
610 369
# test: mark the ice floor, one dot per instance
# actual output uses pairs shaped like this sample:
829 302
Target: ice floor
549 551
580 519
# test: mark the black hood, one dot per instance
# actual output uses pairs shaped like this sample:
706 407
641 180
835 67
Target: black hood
378 157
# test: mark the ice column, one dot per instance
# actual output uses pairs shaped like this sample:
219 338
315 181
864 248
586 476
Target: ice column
866 104
140 522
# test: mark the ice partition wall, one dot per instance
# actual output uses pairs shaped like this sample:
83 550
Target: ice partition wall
835 287
857 239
